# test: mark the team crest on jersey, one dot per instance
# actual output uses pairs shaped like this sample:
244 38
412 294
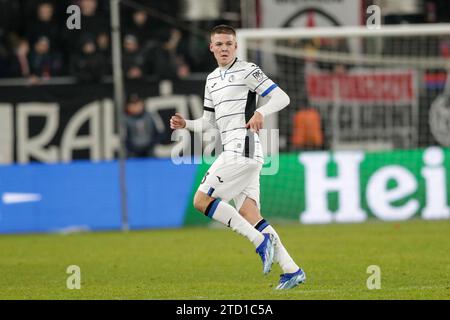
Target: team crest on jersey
231 78
258 75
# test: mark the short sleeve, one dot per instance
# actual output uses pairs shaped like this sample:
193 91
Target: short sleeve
257 81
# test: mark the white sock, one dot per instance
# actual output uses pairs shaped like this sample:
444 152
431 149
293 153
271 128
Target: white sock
282 257
226 214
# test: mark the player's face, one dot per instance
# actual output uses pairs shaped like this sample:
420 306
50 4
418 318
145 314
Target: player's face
224 48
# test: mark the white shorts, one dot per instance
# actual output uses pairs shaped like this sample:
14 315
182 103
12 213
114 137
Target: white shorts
232 178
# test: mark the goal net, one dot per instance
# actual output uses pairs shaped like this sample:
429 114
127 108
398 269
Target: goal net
382 92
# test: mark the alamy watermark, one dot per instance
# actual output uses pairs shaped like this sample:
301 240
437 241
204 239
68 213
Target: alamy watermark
374 280
73 22
374 19
74 280
207 146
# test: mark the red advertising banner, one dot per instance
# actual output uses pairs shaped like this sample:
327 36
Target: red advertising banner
362 87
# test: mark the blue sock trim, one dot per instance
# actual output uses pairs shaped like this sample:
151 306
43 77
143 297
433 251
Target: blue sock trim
261 225
212 208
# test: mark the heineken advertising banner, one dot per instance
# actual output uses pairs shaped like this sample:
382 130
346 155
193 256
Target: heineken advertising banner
351 186
309 187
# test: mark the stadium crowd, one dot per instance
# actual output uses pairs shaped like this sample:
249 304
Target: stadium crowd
36 44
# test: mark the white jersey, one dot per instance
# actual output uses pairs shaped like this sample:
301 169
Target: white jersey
230 101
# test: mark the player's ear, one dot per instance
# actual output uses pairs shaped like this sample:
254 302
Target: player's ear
211 47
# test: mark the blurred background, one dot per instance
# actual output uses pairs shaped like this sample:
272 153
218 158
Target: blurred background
371 106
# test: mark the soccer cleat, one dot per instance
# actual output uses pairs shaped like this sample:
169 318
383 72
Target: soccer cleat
266 250
291 280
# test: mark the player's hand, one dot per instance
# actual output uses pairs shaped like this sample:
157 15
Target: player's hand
256 122
177 121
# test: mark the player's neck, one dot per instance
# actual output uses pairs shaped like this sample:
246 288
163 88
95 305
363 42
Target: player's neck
224 67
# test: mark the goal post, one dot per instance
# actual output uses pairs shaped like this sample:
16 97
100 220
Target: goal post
375 103
403 30
397 55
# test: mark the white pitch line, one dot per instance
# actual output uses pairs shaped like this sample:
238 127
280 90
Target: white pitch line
300 291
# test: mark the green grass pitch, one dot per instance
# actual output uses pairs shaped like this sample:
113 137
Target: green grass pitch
215 263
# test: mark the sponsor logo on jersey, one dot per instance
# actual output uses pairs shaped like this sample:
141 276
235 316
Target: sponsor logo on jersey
258 75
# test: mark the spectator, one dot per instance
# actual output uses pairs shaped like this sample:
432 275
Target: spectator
88 66
152 23
93 19
171 8
141 27
44 24
20 66
104 49
93 22
141 132
134 62
44 63
167 59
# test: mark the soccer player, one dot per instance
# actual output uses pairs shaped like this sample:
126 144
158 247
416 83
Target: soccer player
230 105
